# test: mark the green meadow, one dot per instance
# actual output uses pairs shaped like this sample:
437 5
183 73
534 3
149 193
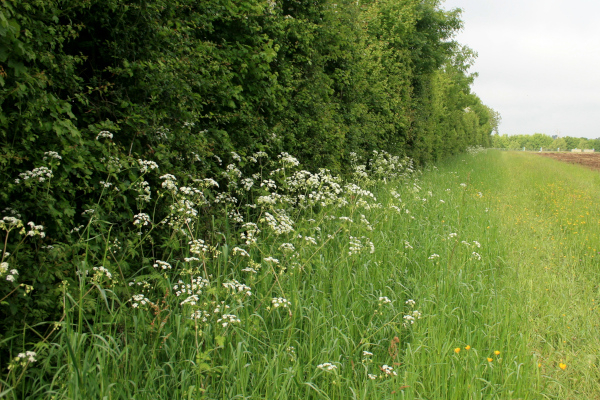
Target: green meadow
475 278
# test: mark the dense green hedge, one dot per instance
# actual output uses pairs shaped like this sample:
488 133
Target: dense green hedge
185 83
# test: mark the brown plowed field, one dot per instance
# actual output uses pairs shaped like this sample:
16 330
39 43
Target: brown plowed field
590 160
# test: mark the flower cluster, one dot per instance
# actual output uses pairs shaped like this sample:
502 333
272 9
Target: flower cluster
169 182
280 302
104 134
384 300
143 190
10 274
193 288
238 288
357 245
35 230
251 232
327 366
22 359
388 370
200 315
100 272
162 265
139 300
52 154
228 319
241 252
39 174
146 165
197 246
412 317
141 219
281 224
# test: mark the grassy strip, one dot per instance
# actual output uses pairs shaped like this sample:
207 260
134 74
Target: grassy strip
551 223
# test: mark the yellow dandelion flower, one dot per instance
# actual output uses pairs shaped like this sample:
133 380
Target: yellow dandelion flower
497 352
562 366
457 350
468 347
490 359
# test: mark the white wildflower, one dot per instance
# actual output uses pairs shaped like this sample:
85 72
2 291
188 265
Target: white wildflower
197 246
162 265
39 174
146 165
388 370
35 230
238 288
104 134
169 182
52 154
327 366
227 319
280 302
242 252
141 219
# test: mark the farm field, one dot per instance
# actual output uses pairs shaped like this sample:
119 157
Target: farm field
477 278
590 160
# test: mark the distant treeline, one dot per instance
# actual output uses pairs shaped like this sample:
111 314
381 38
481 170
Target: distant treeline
546 142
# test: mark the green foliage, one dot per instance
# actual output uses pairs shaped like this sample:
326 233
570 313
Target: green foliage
91 90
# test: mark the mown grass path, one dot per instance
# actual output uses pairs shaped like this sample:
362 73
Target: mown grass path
522 322
550 217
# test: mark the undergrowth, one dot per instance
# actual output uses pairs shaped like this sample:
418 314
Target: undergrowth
396 283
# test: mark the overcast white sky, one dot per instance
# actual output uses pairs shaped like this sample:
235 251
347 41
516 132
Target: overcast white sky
538 63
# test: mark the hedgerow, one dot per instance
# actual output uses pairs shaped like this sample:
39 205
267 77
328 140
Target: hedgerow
95 94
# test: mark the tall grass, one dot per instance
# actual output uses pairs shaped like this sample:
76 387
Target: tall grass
449 283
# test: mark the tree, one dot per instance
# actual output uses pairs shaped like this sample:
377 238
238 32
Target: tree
514 145
559 144
583 144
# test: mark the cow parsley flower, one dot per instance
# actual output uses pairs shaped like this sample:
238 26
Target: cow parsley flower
141 219
228 319
280 302
39 174
162 265
327 366
146 165
52 154
104 134
388 370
